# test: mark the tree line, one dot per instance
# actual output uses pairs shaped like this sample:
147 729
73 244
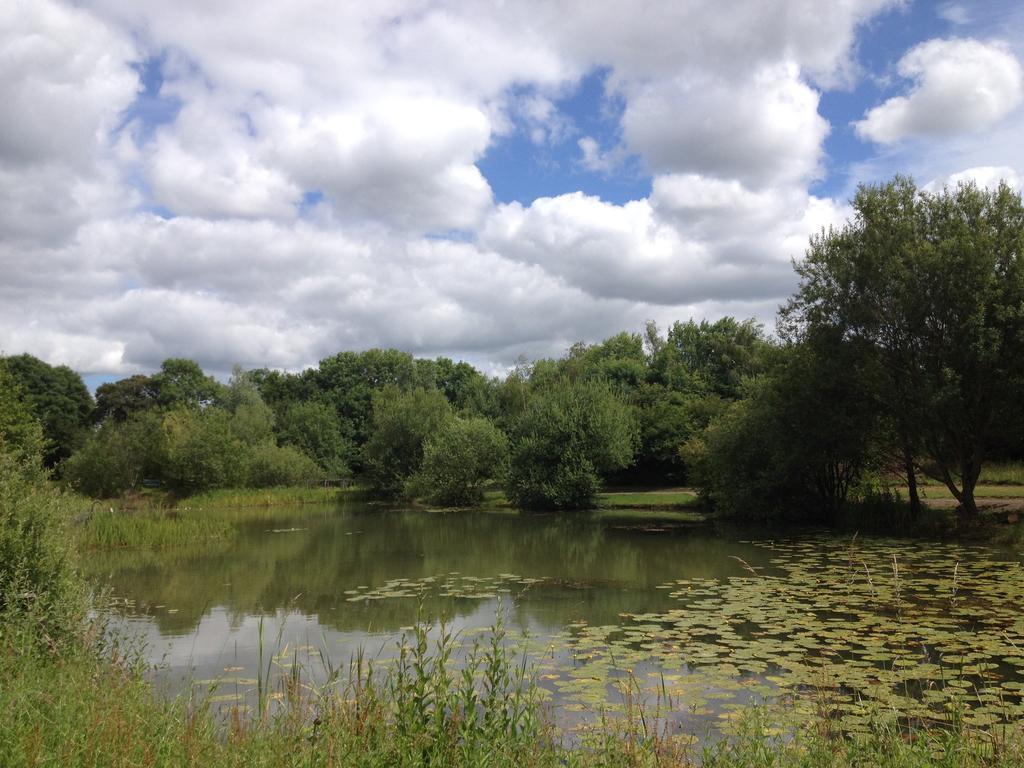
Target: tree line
900 353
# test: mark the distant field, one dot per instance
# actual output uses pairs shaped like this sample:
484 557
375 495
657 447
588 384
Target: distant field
980 492
664 499
659 499
1009 473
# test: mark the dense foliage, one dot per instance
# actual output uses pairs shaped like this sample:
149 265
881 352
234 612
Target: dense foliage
459 460
571 434
58 399
932 284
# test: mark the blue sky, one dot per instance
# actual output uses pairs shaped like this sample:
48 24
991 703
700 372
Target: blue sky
240 182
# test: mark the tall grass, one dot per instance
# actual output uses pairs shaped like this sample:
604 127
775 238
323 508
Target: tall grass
90 710
109 529
1007 473
264 497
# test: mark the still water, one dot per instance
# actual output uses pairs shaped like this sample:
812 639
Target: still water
708 621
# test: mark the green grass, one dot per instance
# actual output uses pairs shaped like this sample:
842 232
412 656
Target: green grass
652 515
980 492
648 500
1001 473
626 500
264 497
1008 473
120 530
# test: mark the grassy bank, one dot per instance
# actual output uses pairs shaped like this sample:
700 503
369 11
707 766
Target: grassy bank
225 498
119 530
154 520
653 499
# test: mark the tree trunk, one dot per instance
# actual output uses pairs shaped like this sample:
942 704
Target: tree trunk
969 480
968 508
915 500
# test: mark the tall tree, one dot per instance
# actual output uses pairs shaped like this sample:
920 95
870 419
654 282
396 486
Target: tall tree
182 383
933 283
124 398
58 398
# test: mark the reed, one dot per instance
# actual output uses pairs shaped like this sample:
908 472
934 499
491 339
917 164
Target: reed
109 529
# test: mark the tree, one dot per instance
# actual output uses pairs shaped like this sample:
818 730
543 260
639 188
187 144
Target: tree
58 398
402 421
21 436
181 382
708 358
314 428
468 390
667 419
460 459
569 436
933 284
118 456
122 399
799 441
202 453
349 380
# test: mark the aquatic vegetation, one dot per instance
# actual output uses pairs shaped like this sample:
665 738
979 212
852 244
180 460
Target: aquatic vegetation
829 628
265 497
116 530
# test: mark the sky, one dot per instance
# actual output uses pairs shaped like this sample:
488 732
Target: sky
267 184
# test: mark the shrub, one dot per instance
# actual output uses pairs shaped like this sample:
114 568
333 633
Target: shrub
268 465
567 438
460 459
117 457
402 421
38 591
202 452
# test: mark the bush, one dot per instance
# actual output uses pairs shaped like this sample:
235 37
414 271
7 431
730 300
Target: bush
38 591
314 427
21 434
268 465
567 438
459 460
798 444
117 457
202 452
402 421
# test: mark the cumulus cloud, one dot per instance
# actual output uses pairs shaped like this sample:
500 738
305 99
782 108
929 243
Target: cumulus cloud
763 130
322 174
960 86
65 79
986 176
695 239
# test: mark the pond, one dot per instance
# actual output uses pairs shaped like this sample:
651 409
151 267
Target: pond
607 606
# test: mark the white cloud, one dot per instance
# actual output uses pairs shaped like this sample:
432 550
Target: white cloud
960 86
986 176
63 83
695 239
763 130
954 13
593 158
387 109
65 79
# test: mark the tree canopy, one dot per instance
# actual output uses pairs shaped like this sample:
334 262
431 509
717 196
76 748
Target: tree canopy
932 283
